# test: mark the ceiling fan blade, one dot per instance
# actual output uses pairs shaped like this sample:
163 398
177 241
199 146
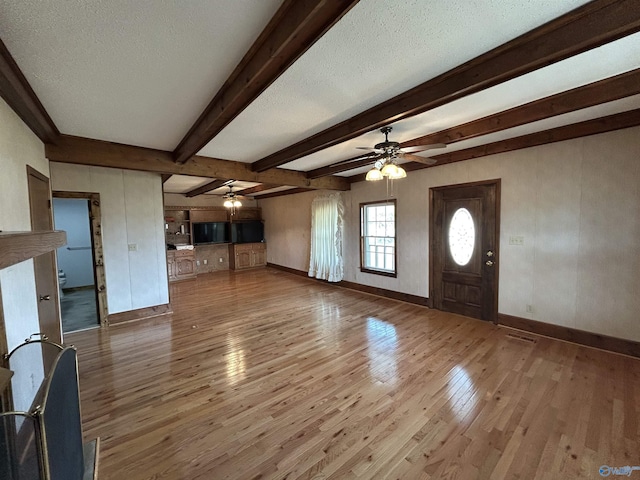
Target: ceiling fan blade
421 148
372 156
415 158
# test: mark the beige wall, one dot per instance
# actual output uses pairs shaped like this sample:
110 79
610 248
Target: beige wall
287 229
19 147
576 203
131 204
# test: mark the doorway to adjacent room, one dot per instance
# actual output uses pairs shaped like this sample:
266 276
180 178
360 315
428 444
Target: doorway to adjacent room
80 262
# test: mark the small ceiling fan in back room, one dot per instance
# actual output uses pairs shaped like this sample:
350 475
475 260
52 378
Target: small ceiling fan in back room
386 155
231 199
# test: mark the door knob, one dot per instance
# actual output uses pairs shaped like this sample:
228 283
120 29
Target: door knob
488 263
45 297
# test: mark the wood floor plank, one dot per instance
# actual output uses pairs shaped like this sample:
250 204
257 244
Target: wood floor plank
263 374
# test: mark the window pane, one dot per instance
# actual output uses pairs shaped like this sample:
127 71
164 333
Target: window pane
462 236
378 233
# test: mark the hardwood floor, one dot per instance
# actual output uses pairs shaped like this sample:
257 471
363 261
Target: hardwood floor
263 374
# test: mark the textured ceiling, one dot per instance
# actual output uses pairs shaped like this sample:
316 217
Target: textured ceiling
135 72
141 72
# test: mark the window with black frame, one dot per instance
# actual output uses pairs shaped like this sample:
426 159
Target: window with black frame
378 238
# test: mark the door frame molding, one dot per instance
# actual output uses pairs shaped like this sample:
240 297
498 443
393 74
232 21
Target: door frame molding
95 226
497 183
32 172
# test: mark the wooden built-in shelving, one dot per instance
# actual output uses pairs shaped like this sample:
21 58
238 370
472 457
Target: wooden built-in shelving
16 247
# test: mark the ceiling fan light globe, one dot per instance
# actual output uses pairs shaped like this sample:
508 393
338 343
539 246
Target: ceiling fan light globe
228 203
400 173
237 203
389 170
374 175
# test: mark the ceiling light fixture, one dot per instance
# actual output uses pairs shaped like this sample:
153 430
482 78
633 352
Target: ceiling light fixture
386 167
386 155
231 201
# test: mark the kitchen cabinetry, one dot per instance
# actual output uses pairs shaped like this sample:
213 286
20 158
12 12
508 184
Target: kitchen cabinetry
247 255
181 264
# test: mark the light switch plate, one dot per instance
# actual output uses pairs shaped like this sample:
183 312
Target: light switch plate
516 240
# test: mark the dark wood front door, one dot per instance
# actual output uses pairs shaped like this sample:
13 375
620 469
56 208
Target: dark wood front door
464 249
44 265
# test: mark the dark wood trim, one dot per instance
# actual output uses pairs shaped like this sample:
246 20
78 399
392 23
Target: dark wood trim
85 151
140 314
5 378
589 339
16 91
16 247
295 27
341 167
97 249
207 187
587 27
607 90
364 269
380 292
165 177
291 191
258 188
596 126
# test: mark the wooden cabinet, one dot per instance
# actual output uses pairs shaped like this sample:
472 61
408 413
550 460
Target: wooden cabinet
247 255
177 226
181 264
218 215
247 213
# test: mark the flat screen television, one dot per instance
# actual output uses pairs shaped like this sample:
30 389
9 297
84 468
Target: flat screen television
210 232
250 231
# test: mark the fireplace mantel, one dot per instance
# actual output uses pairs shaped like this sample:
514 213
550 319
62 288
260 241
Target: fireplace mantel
16 247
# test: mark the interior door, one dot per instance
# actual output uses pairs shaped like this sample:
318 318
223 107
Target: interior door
464 237
44 265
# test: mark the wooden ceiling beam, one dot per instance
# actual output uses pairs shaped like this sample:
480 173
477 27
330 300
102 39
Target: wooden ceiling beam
343 167
85 151
291 191
16 91
607 90
295 27
207 187
587 27
603 91
258 188
559 134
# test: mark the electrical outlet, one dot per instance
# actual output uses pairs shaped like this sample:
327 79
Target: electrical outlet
133 247
220 259
205 261
197 263
529 308
516 240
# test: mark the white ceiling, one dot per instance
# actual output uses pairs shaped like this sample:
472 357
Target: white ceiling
141 72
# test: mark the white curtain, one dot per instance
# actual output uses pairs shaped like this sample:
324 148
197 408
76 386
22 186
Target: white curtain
327 213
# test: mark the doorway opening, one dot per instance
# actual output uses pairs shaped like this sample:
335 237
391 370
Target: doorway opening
464 250
82 286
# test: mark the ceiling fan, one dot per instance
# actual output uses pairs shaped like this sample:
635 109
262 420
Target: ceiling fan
231 200
386 155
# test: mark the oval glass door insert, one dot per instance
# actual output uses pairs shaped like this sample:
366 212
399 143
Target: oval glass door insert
462 236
